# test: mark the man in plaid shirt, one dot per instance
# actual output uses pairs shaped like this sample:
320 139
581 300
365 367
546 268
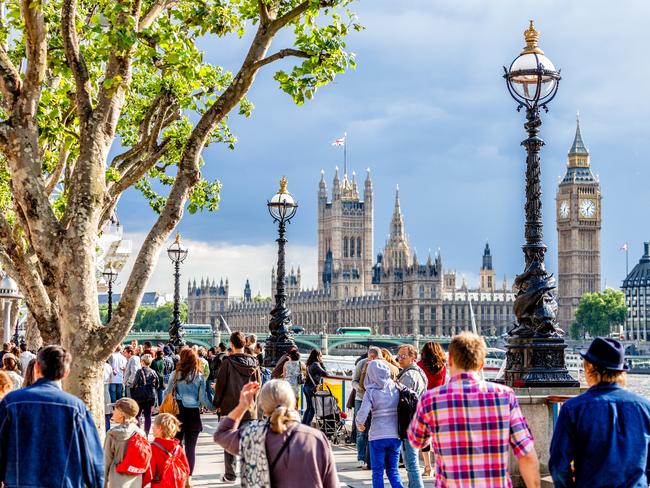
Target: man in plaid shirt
472 424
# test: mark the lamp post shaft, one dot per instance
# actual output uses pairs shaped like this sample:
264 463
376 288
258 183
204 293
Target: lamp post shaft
281 339
534 230
535 356
176 327
110 302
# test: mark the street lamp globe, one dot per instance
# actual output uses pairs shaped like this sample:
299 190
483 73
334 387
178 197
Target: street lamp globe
109 274
532 78
177 252
282 206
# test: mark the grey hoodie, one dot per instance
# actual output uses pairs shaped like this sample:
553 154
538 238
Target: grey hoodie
381 398
115 446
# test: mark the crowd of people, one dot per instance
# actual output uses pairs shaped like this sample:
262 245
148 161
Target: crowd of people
437 408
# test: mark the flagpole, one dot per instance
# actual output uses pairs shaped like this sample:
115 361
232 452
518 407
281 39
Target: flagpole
345 153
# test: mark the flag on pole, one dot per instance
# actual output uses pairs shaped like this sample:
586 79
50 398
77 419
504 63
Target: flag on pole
339 142
623 247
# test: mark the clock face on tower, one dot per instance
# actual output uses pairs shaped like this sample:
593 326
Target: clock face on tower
587 208
564 209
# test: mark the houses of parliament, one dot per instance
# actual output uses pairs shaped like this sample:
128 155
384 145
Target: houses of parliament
395 293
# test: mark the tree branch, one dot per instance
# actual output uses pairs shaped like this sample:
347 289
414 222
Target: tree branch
265 17
36 53
154 11
283 53
64 152
10 81
76 61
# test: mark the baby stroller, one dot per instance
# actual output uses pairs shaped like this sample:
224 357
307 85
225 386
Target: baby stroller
329 418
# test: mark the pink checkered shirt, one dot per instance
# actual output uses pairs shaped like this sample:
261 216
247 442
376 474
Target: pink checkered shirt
471 423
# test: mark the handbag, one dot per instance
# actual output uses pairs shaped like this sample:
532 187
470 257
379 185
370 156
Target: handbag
169 404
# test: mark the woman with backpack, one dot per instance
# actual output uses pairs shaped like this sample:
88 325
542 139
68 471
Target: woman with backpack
278 451
158 365
381 400
294 373
187 384
144 389
315 372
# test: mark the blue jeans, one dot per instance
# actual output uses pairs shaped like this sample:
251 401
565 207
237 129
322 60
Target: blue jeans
161 393
384 454
308 416
412 463
209 389
116 391
362 437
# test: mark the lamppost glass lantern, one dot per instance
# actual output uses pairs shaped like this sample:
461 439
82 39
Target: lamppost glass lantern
110 277
177 252
532 77
282 207
535 348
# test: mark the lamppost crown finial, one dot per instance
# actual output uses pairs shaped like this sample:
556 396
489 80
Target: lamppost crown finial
283 185
178 238
532 37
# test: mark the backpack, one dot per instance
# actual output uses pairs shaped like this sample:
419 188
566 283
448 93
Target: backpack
168 368
406 406
175 472
137 456
144 388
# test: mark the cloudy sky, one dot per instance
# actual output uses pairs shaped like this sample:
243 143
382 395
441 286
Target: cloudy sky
427 109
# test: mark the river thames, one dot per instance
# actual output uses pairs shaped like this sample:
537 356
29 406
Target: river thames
639 383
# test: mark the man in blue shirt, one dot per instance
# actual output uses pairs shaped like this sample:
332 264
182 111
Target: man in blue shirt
48 437
605 431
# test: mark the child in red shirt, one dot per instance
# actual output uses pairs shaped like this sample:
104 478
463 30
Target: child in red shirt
169 467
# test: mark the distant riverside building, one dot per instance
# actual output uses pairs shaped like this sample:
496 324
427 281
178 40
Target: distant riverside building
397 295
579 221
636 288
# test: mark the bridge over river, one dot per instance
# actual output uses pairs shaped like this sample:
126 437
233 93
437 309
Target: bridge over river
327 343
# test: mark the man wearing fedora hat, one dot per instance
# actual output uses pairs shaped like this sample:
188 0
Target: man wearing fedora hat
604 432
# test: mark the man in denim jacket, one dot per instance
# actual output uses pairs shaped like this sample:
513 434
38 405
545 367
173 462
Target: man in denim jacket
48 437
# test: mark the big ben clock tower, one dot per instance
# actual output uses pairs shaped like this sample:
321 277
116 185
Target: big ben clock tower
578 226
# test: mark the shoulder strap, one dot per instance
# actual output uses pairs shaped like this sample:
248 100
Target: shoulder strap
162 448
282 449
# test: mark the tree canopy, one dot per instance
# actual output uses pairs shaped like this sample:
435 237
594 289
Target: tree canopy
99 96
598 312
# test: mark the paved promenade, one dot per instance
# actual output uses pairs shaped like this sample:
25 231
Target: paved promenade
209 463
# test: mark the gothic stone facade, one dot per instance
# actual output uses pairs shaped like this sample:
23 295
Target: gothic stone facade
397 295
578 225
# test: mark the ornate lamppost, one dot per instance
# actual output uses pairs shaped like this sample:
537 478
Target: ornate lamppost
177 253
282 208
110 277
535 349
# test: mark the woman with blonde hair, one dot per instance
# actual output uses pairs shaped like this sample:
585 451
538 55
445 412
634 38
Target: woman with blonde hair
272 449
6 384
10 366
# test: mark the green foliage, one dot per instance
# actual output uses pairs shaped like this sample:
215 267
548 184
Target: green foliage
149 319
598 312
167 60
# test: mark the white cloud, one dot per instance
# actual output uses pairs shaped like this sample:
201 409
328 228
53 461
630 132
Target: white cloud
216 260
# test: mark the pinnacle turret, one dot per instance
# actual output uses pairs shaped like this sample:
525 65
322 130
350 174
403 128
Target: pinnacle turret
578 148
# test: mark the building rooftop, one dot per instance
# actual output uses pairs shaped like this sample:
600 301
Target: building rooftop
640 274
